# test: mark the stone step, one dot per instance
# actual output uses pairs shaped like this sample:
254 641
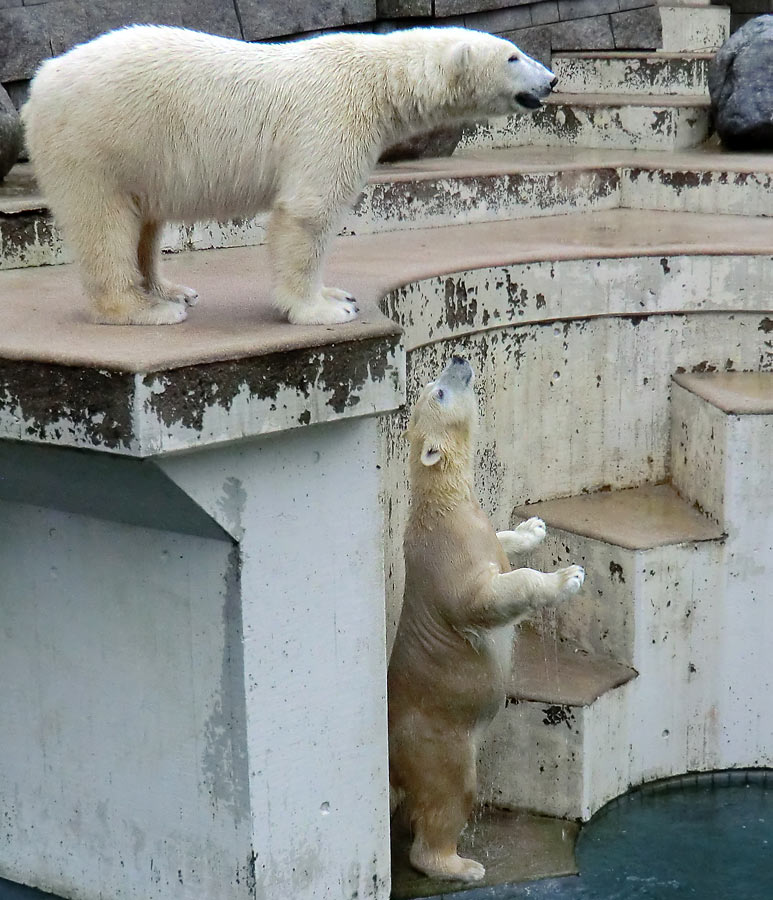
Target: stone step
690 27
401 196
721 426
573 741
476 186
631 73
535 750
598 121
514 846
721 459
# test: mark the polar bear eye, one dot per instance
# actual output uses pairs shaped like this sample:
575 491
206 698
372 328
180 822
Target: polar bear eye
514 58
440 393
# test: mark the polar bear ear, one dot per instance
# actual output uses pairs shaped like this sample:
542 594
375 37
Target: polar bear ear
430 454
459 56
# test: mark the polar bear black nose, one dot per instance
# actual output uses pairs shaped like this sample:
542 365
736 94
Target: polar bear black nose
553 83
459 360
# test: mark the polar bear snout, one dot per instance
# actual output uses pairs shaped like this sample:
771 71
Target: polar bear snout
534 82
458 373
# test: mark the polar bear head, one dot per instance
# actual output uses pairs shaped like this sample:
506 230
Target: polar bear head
467 74
442 427
495 74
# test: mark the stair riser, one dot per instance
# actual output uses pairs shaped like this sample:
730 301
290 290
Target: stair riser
611 128
677 190
686 29
600 618
699 441
638 77
32 239
532 758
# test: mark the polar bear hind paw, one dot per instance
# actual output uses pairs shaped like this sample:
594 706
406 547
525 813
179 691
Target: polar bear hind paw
176 293
449 868
164 312
330 307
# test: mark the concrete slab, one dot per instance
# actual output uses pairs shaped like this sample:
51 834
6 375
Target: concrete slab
513 846
736 393
636 519
560 672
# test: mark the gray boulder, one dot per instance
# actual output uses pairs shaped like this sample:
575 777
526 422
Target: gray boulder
10 134
741 87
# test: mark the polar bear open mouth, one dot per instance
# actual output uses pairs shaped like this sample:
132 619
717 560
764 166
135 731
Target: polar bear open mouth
529 101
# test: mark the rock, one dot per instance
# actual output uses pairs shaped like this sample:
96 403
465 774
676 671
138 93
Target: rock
741 87
438 142
10 134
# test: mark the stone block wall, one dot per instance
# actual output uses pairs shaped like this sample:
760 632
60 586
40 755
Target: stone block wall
34 30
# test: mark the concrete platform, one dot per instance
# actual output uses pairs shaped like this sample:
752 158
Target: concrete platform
513 846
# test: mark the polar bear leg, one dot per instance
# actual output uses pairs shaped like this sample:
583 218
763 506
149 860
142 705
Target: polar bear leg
105 233
515 594
298 244
148 254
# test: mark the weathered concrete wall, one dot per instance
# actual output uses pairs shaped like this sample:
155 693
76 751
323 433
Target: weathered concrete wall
194 701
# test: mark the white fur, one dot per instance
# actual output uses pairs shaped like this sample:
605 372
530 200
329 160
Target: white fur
148 124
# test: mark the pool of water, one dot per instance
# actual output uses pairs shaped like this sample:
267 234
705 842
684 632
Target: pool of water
707 837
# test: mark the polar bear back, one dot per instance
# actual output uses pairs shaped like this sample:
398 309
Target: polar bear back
161 107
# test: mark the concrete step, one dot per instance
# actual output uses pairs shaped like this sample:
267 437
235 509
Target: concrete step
421 194
597 121
585 729
538 748
690 27
474 186
514 846
721 458
721 429
635 74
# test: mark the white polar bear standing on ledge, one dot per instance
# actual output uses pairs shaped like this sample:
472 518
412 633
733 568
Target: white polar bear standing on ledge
149 124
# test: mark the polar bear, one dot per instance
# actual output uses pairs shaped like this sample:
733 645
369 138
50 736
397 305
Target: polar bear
451 657
150 123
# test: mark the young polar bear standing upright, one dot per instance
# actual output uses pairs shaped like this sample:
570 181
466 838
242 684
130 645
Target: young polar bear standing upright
452 653
149 124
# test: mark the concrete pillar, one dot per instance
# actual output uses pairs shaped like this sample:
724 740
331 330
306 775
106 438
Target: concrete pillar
192 646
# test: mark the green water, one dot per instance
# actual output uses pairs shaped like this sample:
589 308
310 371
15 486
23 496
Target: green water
707 837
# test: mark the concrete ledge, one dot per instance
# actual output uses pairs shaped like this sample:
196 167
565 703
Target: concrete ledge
555 671
636 519
735 393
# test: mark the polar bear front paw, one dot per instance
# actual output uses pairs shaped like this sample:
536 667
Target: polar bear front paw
570 580
531 532
330 307
176 293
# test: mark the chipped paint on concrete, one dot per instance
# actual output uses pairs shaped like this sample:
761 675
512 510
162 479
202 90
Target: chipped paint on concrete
616 126
31 238
644 75
439 309
678 190
195 406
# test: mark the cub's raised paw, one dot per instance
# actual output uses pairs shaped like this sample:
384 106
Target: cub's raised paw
532 532
570 581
